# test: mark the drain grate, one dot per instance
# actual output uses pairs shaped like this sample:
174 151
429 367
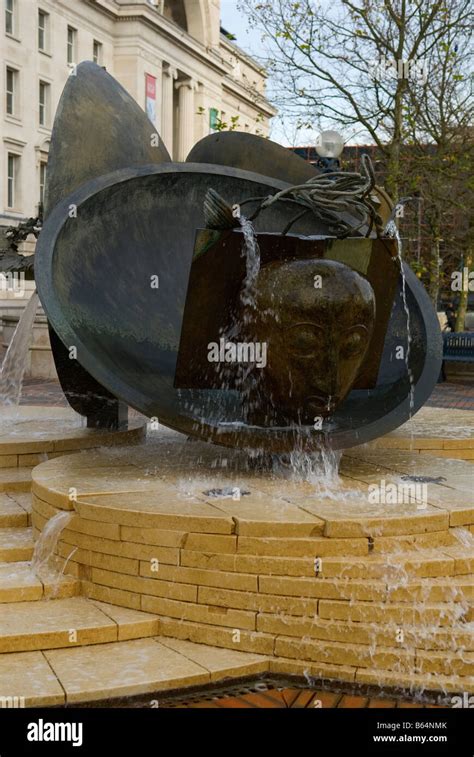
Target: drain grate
227 692
233 492
424 479
268 688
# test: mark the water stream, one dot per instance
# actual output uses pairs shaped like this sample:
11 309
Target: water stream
48 539
13 367
252 253
392 231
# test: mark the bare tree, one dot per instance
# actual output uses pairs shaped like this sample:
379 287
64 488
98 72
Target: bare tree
438 133
352 63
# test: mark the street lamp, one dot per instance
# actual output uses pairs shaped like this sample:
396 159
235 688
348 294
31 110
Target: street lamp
329 146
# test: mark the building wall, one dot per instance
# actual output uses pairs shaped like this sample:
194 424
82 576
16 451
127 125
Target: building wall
194 69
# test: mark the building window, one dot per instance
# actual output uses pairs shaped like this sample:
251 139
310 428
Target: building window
43 165
71 45
97 52
43 30
13 167
44 103
10 16
11 91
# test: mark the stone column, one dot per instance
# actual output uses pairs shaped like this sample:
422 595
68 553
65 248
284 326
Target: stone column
169 75
185 117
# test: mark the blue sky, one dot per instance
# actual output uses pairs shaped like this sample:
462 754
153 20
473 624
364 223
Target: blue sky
249 39
234 21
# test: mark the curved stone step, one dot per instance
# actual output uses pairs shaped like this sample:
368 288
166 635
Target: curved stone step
159 664
24 500
16 544
11 513
214 569
414 683
179 582
119 669
19 583
398 660
30 434
434 431
460 638
14 479
442 614
402 565
69 623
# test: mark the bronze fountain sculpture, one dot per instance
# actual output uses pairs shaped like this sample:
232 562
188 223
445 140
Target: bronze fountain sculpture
317 346
239 297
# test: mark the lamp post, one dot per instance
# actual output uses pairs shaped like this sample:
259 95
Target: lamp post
329 146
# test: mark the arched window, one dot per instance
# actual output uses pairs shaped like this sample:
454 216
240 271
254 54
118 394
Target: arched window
200 18
175 10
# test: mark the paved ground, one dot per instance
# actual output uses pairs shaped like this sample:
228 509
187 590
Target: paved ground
452 395
39 392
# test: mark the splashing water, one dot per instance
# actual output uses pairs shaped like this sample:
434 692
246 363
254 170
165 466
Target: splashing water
13 367
320 468
392 231
252 253
46 544
464 537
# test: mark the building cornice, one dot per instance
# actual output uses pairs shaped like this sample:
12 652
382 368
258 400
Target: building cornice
15 142
260 102
104 7
153 20
239 53
210 57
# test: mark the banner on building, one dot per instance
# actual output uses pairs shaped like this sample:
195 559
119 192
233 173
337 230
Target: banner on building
151 97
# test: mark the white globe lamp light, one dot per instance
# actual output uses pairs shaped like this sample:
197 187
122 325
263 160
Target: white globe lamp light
330 144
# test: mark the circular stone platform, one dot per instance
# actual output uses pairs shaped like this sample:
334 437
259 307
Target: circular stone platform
30 434
319 578
434 431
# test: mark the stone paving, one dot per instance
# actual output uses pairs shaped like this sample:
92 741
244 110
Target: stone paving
452 395
445 395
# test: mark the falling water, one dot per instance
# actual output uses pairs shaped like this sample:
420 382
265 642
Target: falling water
46 544
252 253
392 231
240 324
13 367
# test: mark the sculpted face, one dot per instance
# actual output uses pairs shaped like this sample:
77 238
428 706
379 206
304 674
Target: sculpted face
317 318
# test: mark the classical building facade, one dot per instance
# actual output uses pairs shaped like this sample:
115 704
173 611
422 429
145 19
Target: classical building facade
171 55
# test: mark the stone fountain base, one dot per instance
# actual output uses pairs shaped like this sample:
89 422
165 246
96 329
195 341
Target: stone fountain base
30 435
267 572
443 432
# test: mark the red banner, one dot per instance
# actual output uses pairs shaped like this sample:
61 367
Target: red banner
150 87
